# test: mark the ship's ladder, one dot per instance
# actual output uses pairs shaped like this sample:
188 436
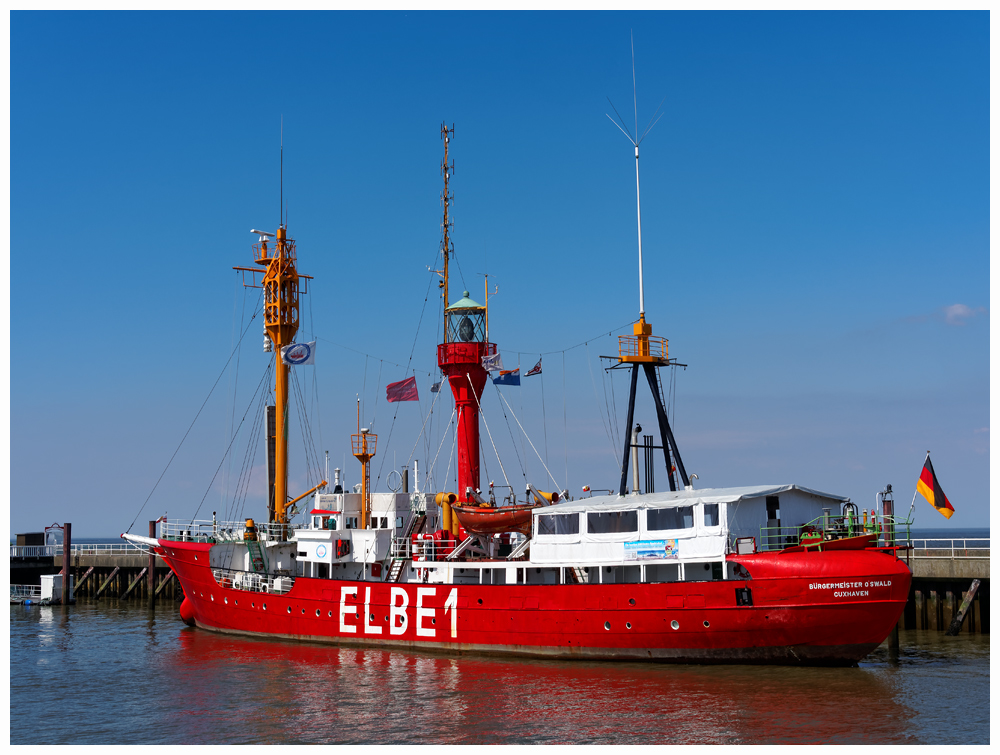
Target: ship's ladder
257 562
395 570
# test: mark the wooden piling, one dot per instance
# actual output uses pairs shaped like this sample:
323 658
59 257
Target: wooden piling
66 572
151 579
956 623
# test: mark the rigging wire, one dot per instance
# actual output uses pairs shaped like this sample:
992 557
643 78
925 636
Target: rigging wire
597 399
246 470
444 437
511 433
473 388
407 370
226 454
198 414
529 440
420 434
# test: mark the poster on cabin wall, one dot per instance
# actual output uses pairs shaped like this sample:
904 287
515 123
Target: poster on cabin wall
646 550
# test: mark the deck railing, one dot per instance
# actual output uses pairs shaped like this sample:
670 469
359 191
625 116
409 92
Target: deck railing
889 531
208 531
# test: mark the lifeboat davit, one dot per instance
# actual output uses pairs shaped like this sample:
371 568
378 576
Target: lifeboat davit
492 520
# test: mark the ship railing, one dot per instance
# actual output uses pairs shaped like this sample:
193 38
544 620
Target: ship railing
400 548
959 548
430 550
209 531
249 581
26 592
892 531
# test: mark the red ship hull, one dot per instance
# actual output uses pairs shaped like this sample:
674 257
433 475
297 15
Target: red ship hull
807 608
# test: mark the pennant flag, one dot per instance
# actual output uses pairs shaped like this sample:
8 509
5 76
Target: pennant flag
536 370
295 354
508 377
404 390
436 387
929 488
493 362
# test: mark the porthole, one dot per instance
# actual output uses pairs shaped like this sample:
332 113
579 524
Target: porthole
480 601
628 625
387 618
674 624
706 624
252 604
631 601
195 558
265 606
538 571
318 613
607 625
226 601
212 598
236 602
329 614
303 612
357 616
707 567
434 621
608 569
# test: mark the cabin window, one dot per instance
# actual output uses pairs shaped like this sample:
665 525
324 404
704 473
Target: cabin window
605 522
316 524
559 524
677 518
711 515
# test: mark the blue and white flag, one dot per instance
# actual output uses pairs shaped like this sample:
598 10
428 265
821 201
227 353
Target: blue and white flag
295 354
508 377
493 362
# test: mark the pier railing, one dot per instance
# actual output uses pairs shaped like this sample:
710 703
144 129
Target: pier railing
972 547
75 549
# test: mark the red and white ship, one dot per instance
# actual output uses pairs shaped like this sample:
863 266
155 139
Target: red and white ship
756 574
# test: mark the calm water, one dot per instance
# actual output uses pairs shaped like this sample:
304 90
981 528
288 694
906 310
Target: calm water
124 676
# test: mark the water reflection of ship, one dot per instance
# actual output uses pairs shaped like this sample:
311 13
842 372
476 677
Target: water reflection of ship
351 695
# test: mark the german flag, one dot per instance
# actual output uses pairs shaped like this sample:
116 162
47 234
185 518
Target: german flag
930 489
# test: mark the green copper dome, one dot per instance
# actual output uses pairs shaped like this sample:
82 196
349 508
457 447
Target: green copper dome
465 303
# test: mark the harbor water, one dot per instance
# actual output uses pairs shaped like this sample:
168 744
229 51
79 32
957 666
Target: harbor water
109 672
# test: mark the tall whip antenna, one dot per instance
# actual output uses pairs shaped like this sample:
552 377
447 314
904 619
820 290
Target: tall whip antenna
636 141
281 175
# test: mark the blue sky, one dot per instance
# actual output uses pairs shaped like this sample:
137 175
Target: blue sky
815 234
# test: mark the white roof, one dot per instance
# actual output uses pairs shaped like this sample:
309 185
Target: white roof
679 497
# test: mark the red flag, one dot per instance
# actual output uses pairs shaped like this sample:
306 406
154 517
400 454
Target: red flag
404 390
